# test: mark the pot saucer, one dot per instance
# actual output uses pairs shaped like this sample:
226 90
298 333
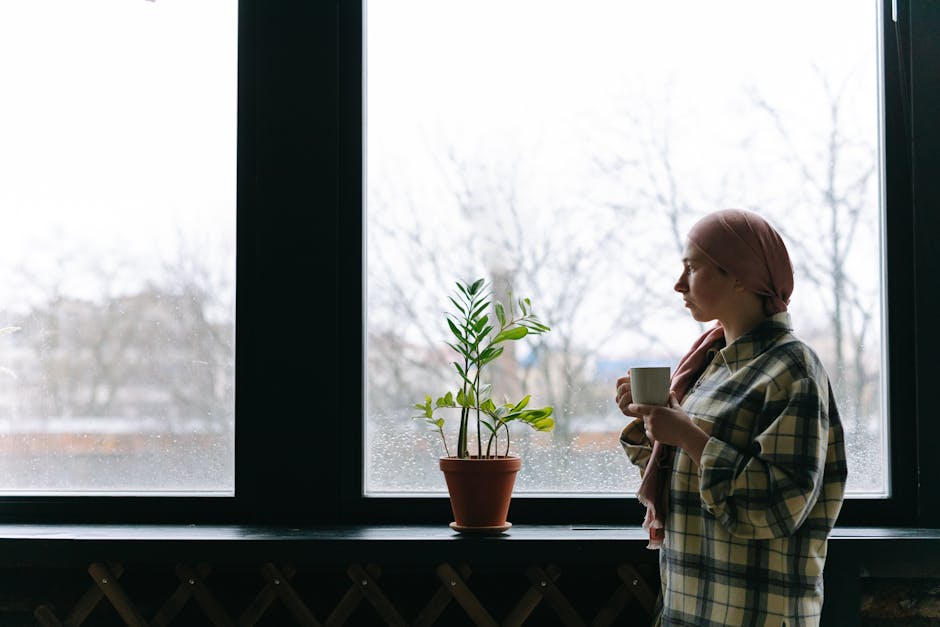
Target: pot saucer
483 531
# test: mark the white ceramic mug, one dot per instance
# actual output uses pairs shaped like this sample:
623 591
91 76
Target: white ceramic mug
650 385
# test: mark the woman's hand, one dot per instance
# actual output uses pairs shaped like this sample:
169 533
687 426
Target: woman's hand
625 396
671 425
667 424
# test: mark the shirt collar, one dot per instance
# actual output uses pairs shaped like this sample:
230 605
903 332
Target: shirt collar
755 341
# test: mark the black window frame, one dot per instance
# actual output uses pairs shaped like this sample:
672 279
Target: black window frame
300 319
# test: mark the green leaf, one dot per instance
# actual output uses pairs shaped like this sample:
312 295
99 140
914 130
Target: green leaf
515 333
476 286
521 404
457 305
539 419
537 327
479 324
490 354
445 401
456 331
459 349
466 400
544 424
462 289
466 379
479 308
522 304
500 314
428 412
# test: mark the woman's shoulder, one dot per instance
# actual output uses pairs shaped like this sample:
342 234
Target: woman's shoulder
793 360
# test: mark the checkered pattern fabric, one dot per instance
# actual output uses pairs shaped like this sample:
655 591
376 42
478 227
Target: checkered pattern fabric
747 531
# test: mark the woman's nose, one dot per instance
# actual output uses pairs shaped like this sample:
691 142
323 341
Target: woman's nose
681 285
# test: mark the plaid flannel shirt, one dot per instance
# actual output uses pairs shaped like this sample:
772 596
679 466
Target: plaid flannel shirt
747 531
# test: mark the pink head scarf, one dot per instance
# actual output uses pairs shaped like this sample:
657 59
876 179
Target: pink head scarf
748 248
745 246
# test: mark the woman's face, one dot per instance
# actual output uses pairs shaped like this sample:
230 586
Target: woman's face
708 292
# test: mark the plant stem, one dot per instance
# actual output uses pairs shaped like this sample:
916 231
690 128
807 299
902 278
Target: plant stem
444 439
462 433
476 393
464 411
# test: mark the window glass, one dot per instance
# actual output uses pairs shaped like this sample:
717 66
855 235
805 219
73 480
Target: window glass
117 248
562 150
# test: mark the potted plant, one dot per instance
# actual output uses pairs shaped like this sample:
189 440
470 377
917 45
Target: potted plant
480 471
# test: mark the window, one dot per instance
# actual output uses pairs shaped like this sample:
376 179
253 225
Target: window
301 268
117 252
562 152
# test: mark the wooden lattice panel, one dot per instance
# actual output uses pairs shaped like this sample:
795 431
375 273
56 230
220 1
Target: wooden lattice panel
539 594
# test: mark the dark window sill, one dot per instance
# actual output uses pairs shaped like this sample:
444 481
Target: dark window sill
63 543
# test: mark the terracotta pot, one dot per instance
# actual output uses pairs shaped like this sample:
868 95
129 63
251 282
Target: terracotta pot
480 491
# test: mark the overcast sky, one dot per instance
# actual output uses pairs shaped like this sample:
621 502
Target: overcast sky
546 82
117 126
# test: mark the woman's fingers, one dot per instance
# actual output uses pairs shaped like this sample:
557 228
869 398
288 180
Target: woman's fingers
624 395
673 401
665 424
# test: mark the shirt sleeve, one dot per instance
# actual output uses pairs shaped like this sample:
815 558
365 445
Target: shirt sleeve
635 444
768 491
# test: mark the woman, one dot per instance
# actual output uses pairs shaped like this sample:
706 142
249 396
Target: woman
744 471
